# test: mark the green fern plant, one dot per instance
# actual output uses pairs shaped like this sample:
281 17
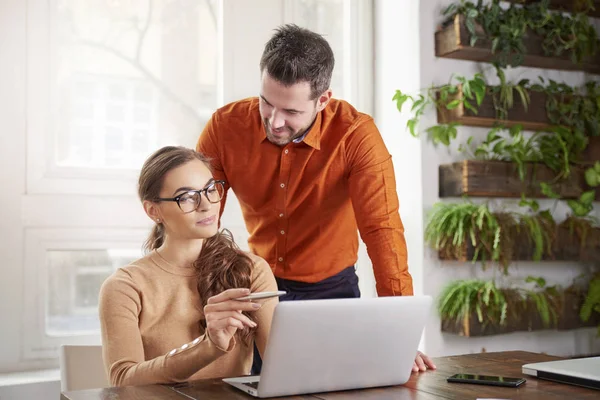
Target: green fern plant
546 299
460 299
452 226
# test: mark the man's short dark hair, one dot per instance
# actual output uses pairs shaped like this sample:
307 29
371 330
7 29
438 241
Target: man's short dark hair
295 54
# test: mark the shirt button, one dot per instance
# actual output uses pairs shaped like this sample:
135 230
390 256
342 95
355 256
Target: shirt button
281 215
286 151
283 232
282 185
280 259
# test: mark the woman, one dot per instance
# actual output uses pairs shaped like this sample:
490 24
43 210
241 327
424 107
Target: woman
172 316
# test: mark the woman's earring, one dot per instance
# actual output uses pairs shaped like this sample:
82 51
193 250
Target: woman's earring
158 220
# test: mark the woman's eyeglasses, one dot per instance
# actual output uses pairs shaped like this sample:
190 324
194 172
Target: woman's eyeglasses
190 201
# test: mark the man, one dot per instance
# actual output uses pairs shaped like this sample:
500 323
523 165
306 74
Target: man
308 170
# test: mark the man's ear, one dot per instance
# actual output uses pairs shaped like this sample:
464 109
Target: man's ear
323 99
152 210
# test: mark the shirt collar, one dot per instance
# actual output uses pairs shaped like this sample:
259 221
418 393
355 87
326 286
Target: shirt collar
311 137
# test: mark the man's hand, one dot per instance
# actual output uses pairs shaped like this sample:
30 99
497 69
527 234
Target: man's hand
422 363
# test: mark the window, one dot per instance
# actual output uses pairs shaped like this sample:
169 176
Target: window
66 268
118 79
73 283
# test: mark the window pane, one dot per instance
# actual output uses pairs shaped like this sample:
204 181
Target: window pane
74 281
130 76
326 17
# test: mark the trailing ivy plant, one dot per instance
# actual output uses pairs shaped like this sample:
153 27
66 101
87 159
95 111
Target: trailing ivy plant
466 92
507 29
572 107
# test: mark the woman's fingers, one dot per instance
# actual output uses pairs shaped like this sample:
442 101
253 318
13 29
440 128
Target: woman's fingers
227 322
230 314
231 305
228 295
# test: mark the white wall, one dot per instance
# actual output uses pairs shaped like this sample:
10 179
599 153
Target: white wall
406 60
39 391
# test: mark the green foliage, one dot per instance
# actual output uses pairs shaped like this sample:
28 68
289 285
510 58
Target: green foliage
491 234
507 29
591 303
516 148
592 175
560 148
492 305
582 206
460 299
451 225
503 95
467 93
575 108
546 299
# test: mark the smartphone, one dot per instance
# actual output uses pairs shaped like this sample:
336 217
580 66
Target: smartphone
262 295
486 380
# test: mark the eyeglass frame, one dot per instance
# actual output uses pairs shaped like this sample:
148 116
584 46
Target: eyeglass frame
200 192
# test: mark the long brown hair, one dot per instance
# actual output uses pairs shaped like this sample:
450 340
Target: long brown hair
221 264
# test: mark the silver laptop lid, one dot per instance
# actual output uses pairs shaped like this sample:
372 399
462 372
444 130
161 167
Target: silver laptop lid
326 345
579 371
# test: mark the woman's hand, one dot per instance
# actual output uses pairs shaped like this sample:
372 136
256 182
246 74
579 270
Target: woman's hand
224 316
422 363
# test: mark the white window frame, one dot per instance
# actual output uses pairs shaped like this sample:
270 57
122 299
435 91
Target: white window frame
38 344
43 175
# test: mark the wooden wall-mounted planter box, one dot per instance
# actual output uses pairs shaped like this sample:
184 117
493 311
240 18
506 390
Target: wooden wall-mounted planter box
565 5
501 179
535 118
567 247
529 320
453 41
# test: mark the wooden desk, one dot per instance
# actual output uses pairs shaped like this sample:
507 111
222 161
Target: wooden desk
424 385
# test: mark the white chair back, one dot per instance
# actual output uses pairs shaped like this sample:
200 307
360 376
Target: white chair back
82 367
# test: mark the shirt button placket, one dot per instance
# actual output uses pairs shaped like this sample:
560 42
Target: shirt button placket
282 191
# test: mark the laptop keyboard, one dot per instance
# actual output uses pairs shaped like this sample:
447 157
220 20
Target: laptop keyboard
253 385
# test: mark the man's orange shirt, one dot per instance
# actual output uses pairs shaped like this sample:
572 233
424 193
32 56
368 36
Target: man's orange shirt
303 203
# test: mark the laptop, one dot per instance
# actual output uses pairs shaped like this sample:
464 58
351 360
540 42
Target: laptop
327 345
579 371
